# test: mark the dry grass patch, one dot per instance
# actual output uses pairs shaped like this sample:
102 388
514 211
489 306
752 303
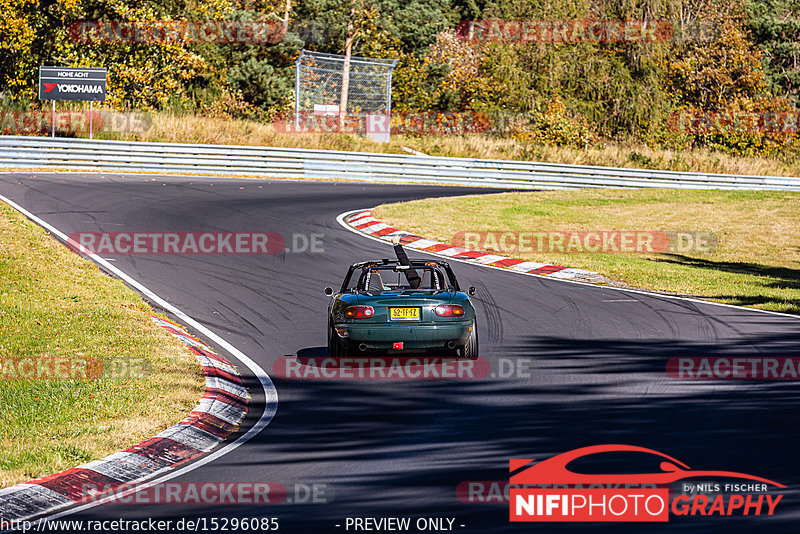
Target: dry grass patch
187 128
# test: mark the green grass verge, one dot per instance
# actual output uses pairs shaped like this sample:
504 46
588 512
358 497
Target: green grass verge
56 305
756 263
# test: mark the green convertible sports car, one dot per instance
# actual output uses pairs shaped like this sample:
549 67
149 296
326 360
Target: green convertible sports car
384 307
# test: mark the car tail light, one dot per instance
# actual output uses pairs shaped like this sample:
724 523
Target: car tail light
449 310
359 312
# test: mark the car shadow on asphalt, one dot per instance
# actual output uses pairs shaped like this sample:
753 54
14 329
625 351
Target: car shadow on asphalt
402 447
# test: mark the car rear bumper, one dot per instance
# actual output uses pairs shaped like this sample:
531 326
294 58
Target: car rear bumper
413 336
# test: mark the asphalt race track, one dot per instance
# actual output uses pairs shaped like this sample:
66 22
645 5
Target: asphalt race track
383 448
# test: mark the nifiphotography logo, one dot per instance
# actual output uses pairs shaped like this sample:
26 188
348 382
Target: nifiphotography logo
551 491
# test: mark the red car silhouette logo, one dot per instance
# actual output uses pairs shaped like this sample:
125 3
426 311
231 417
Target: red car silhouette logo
554 470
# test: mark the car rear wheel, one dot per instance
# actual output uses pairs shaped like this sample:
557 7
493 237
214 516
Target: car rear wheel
470 350
335 348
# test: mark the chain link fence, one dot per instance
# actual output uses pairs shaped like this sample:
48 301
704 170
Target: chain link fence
331 84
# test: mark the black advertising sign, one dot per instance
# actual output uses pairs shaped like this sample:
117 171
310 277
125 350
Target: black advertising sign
68 83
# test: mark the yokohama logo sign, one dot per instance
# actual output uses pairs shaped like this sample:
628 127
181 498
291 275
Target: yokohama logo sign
72 83
73 88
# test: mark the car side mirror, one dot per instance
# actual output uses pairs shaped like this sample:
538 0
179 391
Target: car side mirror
471 291
329 291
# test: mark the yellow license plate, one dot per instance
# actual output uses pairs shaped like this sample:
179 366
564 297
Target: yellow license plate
404 314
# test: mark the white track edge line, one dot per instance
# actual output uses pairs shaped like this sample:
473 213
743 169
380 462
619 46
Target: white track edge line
340 219
270 393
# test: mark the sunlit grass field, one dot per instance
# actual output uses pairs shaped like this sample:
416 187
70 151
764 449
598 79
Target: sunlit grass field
56 306
756 262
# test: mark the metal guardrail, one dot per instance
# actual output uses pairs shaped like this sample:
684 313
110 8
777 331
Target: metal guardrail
122 156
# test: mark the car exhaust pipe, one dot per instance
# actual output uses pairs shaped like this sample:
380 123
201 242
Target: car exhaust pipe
362 347
451 344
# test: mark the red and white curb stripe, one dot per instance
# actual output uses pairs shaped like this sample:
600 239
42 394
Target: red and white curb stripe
218 413
364 222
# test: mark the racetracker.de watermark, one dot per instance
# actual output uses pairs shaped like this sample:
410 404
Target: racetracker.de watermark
498 491
69 368
41 121
265 30
727 122
407 123
195 243
589 241
566 31
268 30
400 368
176 31
734 368
210 493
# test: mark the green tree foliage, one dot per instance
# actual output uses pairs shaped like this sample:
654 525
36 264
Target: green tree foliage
19 25
721 70
723 56
142 75
775 26
402 26
390 29
719 73
263 74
